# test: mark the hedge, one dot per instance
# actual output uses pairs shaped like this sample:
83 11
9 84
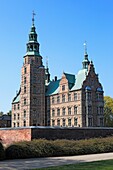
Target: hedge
2 152
46 148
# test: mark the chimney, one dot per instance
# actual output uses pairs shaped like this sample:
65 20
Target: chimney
55 78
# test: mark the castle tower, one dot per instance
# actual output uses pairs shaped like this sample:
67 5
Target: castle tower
32 93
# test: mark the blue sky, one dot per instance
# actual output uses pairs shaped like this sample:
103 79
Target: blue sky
62 27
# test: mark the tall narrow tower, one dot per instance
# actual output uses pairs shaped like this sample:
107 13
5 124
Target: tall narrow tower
32 95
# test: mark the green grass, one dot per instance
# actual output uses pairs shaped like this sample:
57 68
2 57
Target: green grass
98 165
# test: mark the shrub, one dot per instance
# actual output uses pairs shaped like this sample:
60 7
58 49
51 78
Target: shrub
2 152
45 148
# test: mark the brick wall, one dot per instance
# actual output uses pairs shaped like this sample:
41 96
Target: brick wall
11 135
70 133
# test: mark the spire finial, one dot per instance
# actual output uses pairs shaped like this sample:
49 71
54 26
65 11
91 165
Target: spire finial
33 17
46 61
85 47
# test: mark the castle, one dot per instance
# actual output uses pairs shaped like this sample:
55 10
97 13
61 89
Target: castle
71 101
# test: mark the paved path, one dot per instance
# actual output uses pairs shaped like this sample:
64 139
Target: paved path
27 164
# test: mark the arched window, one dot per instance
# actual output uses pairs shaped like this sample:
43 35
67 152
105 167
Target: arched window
31 47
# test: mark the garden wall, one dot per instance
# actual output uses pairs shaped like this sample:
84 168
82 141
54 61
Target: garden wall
11 135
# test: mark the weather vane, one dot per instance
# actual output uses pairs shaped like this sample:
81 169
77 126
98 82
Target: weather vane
85 47
46 61
33 17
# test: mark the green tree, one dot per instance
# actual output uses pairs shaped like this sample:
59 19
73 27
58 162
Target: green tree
9 113
108 111
1 113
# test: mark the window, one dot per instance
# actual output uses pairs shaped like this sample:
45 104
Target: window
31 47
63 97
24 80
69 122
75 110
25 70
69 110
99 96
53 112
63 122
53 100
101 110
34 89
58 99
101 122
58 122
15 107
34 100
34 79
24 89
25 101
14 124
53 122
89 110
58 112
14 116
24 113
18 106
88 95
63 111
97 110
69 97
17 124
90 122
75 96
75 121
18 116
63 87
24 123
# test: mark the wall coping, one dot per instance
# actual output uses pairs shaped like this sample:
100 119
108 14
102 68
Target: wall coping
56 127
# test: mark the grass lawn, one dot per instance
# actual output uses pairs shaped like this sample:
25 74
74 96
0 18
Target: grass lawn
99 165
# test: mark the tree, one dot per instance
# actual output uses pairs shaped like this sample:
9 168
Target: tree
1 113
9 113
108 111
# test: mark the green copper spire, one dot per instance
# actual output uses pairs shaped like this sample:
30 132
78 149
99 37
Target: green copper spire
47 74
85 62
33 45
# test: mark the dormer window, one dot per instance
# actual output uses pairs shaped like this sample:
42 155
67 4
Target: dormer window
63 87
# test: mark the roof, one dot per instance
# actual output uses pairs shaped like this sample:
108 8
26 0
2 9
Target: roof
53 87
5 117
75 83
32 53
70 78
80 77
17 98
99 89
